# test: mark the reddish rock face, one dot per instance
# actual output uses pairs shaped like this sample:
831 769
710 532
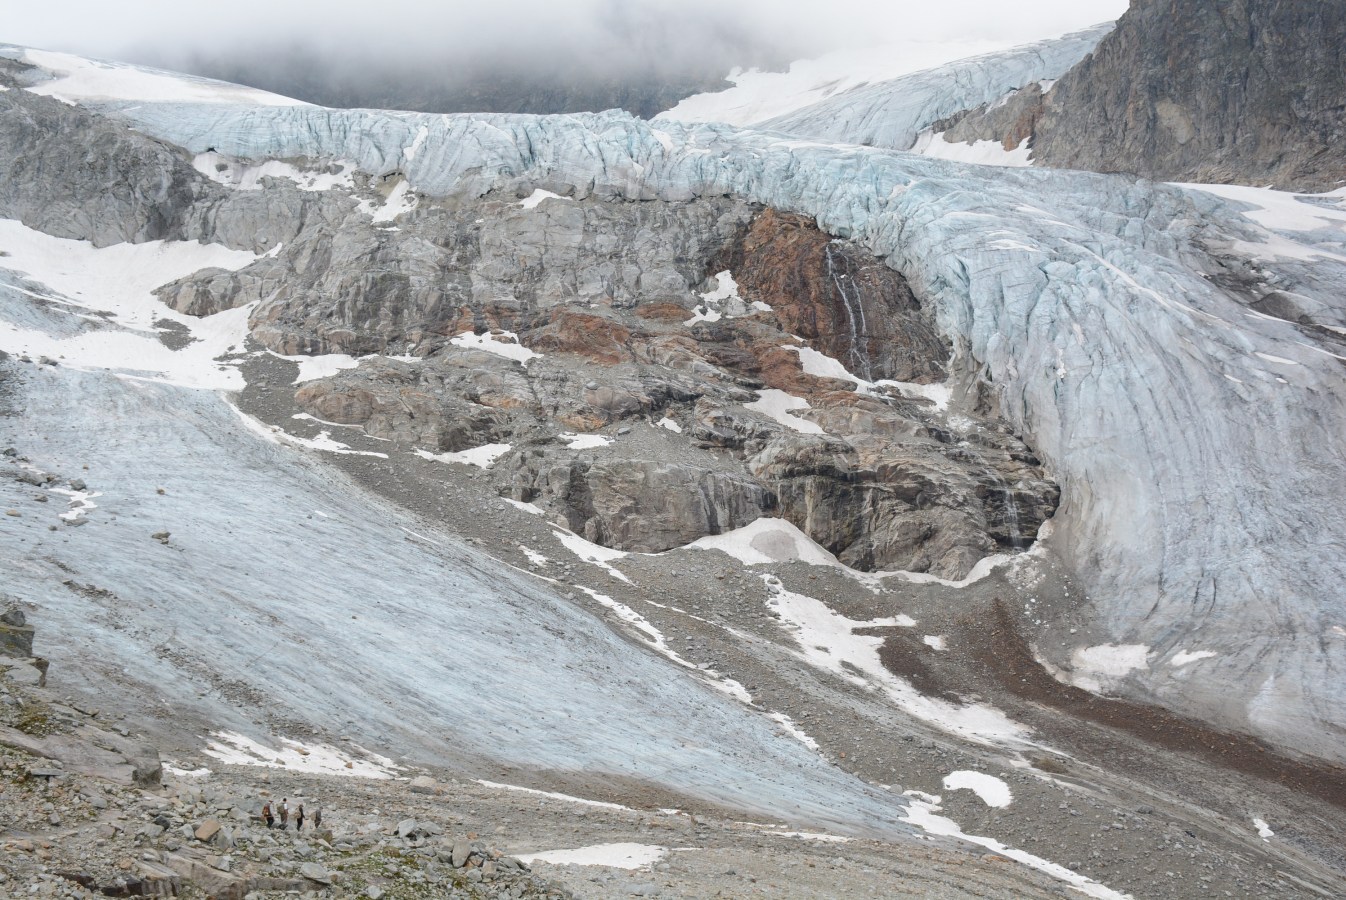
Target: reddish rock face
850 307
597 339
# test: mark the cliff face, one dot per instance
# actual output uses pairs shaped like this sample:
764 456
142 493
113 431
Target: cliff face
1188 90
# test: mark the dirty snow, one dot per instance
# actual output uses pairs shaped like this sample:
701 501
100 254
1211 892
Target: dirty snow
584 441
921 813
765 541
482 457
827 640
613 856
935 642
492 343
591 553
1095 669
236 749
992 791
790 727
248 176
670 425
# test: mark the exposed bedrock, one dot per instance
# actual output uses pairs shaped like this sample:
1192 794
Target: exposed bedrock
843 301
618 300
1251 91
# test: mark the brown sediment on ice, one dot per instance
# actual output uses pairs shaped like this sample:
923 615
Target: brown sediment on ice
1004 655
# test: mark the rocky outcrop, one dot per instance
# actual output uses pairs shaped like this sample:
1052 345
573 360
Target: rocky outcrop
604 295
1011 120
1252 91
843 302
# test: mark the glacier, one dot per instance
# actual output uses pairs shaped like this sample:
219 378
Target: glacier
1197 440
893 113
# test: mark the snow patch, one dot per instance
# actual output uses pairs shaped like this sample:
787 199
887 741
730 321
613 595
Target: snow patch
115 285
409 152
670 425
1279 360
827 640
78 78
552 795
935 642
538 195
534 557
777 405
482 457
236 749
592 553
1263 829
584 441
981 153
531 508
789 726
660 645
765 541
324 365
758 96
921 813
276 435
722 301
1096 668
613 856
492 343
400 200
1183 657
247 176
993 791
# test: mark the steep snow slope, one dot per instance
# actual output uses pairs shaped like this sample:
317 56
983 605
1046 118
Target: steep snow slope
1194 438
757 96
836 104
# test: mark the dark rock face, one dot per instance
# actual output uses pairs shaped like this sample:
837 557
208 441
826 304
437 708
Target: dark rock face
1244 90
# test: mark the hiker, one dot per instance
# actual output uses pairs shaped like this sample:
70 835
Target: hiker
299 818
266 814
317 818
284 813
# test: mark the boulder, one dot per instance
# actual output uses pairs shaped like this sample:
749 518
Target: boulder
316 873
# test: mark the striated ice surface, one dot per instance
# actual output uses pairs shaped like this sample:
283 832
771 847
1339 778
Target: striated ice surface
285 593
892 113
1197 440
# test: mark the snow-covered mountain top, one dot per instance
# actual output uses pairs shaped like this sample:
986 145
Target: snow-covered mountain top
761 97
757 96
77 78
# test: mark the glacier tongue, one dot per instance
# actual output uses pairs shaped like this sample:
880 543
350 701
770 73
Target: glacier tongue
1197 442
